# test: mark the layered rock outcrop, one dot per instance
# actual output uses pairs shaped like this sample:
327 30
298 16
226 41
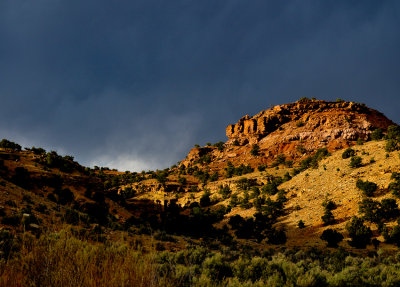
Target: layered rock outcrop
295 130
344 119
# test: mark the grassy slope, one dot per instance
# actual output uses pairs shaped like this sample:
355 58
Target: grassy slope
333 179
336 180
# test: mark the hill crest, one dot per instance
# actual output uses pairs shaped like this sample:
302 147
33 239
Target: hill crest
295 130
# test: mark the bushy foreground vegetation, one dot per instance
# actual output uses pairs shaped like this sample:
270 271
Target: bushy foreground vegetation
214 254
60 259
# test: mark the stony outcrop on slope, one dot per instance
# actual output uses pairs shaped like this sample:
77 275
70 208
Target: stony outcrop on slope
295 130
343 119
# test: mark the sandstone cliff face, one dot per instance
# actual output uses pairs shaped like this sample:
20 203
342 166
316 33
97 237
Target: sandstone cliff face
346 119
286 129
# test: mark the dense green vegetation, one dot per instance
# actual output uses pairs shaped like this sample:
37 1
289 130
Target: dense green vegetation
378 212
394 187
355 161
60 259
367 187
4 143
392 138
349 152
242 169
312 161
255 150
328 217
377 134
359 233
332 237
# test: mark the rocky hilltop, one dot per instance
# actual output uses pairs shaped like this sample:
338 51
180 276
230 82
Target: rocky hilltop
294 130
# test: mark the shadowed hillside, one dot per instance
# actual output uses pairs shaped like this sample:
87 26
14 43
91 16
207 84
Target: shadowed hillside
290 181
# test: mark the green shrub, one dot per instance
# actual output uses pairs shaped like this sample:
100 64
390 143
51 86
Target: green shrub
214 176
392 138
71 216
301 224
321 154
367 187
280 159
64 163
377 134
391 145
306 163
393 236
245 183
355 162
240 170
329 204
182 180
349 152
4 143
204 159
389 208
301 149
270 188
289 163
312 161
359 233
393 132
371 210
217 268
304 100
262 167
394 187
65 196
225 191
255 151
205 199
245 204
38 151
97 212
234 201
220 145
287 176
230 170
332 237
277 236
202 175
395 176
328 217
255 192
163 236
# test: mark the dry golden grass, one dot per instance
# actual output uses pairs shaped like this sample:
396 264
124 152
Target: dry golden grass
336 180
63 260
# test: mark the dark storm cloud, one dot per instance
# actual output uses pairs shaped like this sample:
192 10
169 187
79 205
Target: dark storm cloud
135 84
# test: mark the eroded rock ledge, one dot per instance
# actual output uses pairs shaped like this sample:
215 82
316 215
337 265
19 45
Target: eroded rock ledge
316 112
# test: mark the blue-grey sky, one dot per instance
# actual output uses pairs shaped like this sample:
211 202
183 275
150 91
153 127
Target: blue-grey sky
135 84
